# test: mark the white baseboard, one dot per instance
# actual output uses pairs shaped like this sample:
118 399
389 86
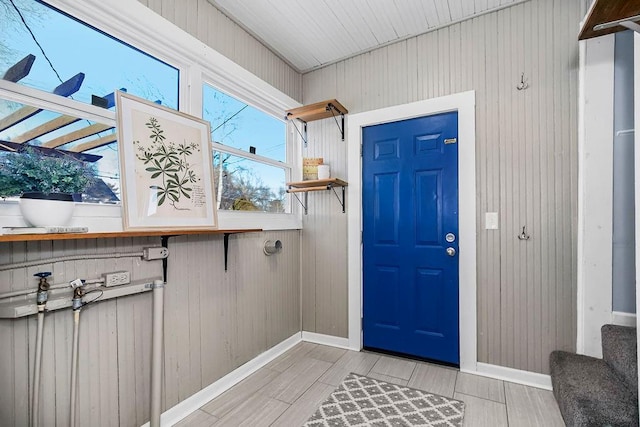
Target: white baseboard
197 400
623 319
327 340
518 376
484 369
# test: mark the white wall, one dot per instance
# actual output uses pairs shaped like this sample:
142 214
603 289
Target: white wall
595 223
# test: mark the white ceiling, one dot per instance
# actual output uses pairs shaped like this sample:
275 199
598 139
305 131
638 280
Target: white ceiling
311 33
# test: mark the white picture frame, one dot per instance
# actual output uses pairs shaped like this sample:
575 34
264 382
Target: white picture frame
166 168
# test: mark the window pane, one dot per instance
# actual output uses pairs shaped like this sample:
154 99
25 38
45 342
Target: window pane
241 126
246 185
64 47
59 134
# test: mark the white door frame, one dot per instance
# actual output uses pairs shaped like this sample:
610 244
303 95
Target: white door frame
636 113
464 104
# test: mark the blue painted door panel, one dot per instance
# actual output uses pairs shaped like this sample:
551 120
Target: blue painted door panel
410 203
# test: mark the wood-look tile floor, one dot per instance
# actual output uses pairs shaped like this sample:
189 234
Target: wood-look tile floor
288 390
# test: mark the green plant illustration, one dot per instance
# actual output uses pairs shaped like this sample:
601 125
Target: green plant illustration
168 164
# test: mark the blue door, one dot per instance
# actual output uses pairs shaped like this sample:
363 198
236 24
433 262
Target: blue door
410 237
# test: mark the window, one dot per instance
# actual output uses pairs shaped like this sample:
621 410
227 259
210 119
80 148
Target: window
45 49
88 140
64 48
249 154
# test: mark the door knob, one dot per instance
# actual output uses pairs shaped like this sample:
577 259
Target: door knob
451 251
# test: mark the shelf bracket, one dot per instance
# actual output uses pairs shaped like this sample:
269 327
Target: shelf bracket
304 205
338 197
304 135
331 108
226 249
164 242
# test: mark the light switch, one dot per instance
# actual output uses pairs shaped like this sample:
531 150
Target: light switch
491 220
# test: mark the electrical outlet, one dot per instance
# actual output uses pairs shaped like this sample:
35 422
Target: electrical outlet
117 278
157 252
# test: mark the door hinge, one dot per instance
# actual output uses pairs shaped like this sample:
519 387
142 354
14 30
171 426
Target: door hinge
360 150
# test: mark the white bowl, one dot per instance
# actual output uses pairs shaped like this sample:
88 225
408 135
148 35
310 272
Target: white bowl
43 213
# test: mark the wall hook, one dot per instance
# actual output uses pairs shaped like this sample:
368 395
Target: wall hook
523 83
524 235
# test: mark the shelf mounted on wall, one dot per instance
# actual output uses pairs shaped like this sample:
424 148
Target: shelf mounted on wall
317 111
317 185
611 16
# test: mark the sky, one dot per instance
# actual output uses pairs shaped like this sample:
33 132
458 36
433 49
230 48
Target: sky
64 47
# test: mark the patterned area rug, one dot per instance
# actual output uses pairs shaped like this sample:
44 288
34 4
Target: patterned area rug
363 401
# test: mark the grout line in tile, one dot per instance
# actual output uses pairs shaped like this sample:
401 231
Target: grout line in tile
279 400
504 389
482 398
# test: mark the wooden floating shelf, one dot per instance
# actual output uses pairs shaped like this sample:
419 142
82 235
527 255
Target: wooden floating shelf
317 111
315 184
609 12
115 234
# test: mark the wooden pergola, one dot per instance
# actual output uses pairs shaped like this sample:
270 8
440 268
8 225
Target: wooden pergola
20 70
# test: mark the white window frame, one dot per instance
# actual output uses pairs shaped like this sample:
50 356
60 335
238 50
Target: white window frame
269 109
194 60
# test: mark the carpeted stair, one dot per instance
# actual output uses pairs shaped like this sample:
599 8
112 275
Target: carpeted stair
599 392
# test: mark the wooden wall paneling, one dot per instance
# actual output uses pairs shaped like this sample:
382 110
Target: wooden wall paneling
201 321
506 196
194 249
7 330
282 288
308 276
545 144
227 307
202 26
526 160
489 85
411 46
210 287
251 303
193 18
126 376
209 25
155 5
532 163
171 344
15 405
181 324
103 322
141 306
167 9
177 321
324 228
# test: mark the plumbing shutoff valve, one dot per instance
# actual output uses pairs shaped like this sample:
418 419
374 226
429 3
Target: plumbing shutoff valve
43 289
43 285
